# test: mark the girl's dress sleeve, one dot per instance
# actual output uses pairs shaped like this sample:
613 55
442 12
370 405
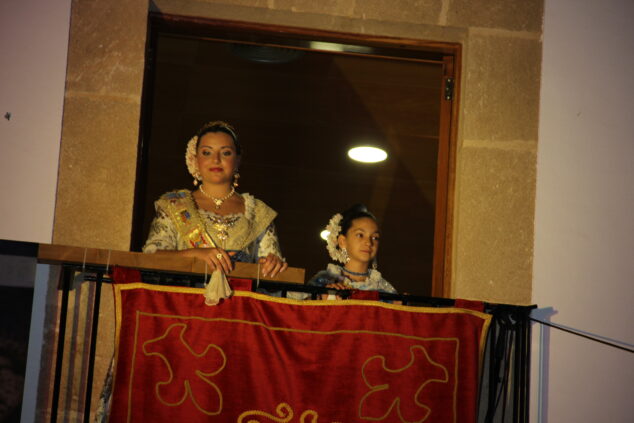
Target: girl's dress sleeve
267 243
163 235
385 286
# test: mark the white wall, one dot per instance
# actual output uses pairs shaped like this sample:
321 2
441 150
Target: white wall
584 229
33 50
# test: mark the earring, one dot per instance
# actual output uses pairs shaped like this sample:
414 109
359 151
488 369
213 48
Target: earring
236 176
375 263
196 175
346 257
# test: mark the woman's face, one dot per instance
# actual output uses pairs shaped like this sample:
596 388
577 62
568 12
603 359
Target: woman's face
217 158
361 241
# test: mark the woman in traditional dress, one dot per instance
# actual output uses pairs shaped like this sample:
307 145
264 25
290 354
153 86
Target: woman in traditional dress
353 240
215 223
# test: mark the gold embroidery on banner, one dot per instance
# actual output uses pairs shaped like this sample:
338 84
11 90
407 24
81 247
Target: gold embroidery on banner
156 343
283 410
285 413
484 317
136 337
334 332
293 330
397 401
411 309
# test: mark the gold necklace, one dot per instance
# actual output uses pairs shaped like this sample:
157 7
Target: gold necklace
217 201
222 224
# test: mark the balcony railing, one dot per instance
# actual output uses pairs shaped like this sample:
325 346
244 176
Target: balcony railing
79 331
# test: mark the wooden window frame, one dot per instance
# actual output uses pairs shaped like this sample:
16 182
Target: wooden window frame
444 53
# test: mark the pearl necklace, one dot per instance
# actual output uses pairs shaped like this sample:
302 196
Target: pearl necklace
218 201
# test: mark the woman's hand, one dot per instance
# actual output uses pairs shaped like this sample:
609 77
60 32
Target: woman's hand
272 265
216 258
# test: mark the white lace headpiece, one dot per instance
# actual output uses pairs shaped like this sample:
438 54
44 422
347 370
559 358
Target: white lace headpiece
190 158
334 229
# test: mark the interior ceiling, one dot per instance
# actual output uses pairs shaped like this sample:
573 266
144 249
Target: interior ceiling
296 120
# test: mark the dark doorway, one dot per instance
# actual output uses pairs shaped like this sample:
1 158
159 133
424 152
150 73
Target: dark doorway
299 101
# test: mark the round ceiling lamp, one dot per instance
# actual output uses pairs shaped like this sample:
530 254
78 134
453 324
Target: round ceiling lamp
367 154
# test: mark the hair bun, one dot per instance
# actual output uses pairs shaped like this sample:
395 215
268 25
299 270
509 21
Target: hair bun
357 208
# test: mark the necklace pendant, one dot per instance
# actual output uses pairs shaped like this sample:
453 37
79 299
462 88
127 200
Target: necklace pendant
218 201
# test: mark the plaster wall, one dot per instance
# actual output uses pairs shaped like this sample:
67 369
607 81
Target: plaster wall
584 231
496 149
32 74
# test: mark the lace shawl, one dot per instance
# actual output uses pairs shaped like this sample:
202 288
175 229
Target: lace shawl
252 234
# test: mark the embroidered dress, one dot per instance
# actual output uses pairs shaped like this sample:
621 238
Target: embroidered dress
335 274
179 224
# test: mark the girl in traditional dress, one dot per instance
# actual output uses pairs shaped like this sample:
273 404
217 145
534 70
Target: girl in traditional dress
353 240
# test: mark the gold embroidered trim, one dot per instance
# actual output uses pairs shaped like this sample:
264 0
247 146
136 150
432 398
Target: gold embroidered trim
181 208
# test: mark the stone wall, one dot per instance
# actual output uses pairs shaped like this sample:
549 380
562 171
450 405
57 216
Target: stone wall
497 137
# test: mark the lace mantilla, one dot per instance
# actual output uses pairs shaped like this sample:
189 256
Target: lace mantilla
255 238
190 158
374 278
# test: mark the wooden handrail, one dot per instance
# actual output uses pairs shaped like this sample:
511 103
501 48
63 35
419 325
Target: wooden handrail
59 254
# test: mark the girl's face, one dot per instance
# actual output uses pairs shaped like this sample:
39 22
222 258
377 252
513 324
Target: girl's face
361 241
216 157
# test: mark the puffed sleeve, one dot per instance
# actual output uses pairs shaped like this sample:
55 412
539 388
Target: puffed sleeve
163 235
267 243
385 286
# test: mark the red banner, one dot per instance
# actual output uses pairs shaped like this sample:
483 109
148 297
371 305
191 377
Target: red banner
255 358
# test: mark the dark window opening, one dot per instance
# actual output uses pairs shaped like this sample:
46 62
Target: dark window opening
299 100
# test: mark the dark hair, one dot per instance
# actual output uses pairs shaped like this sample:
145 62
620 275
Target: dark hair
354 212
220 126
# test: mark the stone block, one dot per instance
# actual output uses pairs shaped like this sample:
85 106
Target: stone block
514 15
501 88
494 224
412 31
106 50
413 11
250 3
97 172
328 7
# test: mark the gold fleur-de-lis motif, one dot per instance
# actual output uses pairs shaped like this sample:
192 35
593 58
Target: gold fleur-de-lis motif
174 387
388 392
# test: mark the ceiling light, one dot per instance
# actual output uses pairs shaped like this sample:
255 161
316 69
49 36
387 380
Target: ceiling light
337 47
367 154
